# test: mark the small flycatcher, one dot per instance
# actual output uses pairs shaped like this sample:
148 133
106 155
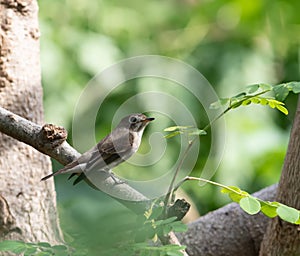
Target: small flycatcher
114 149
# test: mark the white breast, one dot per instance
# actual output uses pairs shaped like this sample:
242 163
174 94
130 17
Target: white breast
137 140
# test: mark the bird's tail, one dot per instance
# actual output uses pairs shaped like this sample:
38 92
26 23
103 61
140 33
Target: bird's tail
53 174
48 176
63 170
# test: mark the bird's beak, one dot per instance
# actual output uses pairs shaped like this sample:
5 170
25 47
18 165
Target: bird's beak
148 119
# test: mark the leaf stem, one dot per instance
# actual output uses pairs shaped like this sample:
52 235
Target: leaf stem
233 106
170 189
213 183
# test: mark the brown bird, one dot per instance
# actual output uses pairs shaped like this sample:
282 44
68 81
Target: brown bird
114 149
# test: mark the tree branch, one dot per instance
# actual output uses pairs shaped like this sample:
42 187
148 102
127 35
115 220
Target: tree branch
50 140
228 230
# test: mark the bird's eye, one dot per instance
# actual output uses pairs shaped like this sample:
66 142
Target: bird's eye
133 119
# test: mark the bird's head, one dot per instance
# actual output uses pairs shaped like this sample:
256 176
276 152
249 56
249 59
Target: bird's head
135 122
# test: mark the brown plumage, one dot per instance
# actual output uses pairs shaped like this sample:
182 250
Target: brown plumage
114 149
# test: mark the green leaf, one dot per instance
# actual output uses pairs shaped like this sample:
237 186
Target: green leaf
197 131
44 253
250 205
287 213
236 103
255 100
19 250
265 87
166 229
263 101
253 88
277 104
178 227
174 253
218 104
294 87
227 191
156 212
239 96
30 251
13 246
246 102
281 92
60 247
172 134
43 244
269 210
235 196
271 103
166 221
171 248
298 221
174 128
215 105
282 109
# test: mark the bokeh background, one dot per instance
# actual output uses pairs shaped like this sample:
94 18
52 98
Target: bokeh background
232 43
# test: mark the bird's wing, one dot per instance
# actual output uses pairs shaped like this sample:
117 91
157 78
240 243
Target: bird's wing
109 151
99 157
103 154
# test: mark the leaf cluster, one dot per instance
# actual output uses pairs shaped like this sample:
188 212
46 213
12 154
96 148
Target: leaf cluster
38 249
151 228
143 239
252 95
253 205
188 130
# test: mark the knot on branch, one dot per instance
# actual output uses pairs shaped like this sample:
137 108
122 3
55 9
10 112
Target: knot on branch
53 135
179 209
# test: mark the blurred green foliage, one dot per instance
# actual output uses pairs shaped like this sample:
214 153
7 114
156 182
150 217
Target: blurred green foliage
232 43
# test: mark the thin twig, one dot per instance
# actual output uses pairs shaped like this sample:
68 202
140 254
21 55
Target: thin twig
169 193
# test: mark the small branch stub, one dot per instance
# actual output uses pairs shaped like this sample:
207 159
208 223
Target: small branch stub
53 135
179 209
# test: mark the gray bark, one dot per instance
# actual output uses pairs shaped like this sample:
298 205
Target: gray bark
27 206
228 231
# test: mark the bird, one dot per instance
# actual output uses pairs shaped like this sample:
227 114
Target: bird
111 151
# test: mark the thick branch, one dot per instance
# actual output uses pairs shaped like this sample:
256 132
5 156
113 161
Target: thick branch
228 230
50 140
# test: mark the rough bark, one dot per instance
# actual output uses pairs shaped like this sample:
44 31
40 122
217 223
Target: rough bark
48 139
27 206
281 237
228 231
